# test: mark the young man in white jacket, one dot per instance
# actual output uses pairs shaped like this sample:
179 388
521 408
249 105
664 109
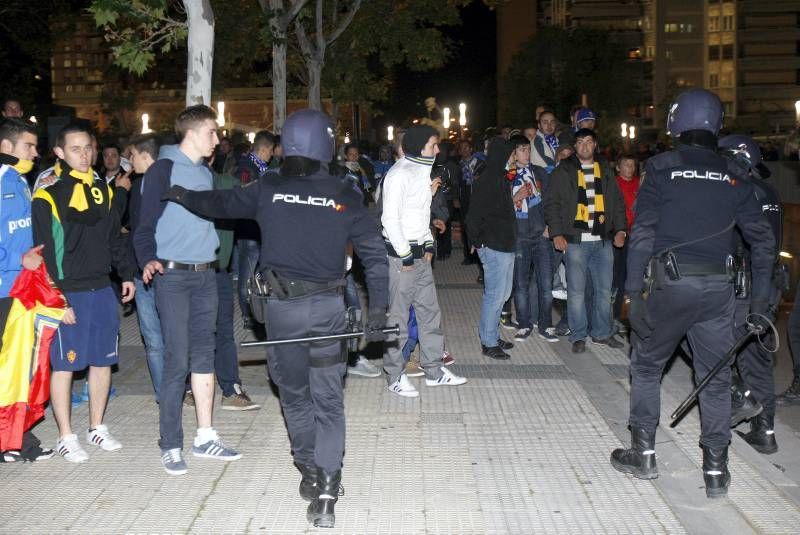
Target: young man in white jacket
406 216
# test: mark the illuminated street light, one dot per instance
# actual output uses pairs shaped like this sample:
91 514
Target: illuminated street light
784 254
390 133
146 123
32 119
251 137
221 114
632 132
446 117
462 114
797 111
346 138
624 130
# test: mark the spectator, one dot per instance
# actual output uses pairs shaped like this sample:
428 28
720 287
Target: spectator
491 222
472 163
111 164
12 108
83 211
585 211
223 150
352 161
628 182
545 145
533 271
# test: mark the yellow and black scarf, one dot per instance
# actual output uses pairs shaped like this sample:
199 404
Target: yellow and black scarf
22 166
84 190
582 214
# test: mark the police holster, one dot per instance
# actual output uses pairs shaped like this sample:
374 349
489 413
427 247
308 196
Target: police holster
257 293
661 268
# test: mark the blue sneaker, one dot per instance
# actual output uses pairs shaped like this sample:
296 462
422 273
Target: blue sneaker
215 449
172 461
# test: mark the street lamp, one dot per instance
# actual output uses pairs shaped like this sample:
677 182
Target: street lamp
624 130
797 111
462 114
32 119
390 133
146 123
632 132
221 114
346 138
446 117
251 137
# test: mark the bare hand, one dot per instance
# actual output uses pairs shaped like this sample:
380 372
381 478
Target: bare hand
47 181
124 181
472 250
560 243
440 225
32 259
428 257
619 239
128 291
521 194
69 317
546 233
150 270
435 185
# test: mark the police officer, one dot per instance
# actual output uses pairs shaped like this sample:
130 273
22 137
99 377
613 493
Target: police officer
307 216
686 211
754 361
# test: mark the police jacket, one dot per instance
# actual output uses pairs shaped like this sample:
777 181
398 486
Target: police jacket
561 202
306 223
693 192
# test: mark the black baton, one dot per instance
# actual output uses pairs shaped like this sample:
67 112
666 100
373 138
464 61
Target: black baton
321 337
730 356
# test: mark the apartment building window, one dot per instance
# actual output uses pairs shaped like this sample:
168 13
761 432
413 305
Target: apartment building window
727 51
685 28
713 53
713 81
713 24
728 106
671 27
726 79
727 22
651 50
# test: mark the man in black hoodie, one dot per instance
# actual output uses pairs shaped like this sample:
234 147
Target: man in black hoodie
491 225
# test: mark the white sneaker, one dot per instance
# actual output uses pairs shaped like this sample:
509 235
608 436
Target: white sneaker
403 387
363 368
560 295
448 378
70 449
99 436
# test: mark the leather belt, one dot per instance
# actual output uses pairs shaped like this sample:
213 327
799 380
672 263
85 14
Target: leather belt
170 264
700 270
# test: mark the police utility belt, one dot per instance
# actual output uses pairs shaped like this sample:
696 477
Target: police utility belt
268 284
417 250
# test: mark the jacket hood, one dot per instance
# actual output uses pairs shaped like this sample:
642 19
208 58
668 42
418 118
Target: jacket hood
497 157
174 153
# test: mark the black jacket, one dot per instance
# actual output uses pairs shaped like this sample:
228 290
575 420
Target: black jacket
491 221
561 202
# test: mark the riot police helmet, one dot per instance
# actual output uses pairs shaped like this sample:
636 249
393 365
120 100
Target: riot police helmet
695 109
309 134
745 151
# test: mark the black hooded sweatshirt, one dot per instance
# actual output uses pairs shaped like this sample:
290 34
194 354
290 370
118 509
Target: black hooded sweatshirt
491 221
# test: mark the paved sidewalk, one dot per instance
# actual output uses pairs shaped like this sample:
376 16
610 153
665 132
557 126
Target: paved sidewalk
522 448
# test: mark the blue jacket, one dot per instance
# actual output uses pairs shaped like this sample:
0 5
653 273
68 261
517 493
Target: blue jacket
168 231
16 233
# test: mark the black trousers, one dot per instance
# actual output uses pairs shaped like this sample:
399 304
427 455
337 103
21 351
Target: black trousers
794 332
310 377
702 309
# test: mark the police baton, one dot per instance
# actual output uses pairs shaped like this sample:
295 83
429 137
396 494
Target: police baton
729 358
321 337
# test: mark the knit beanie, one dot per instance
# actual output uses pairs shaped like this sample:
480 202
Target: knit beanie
416 138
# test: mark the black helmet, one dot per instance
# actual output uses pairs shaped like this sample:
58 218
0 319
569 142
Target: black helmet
308 133
746 152
695 109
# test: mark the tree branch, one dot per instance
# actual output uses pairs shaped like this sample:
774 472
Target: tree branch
345 22
320 37
302 39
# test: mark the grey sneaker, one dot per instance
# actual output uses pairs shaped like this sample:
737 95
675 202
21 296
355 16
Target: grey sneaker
611 342
363 368
215 449
172 461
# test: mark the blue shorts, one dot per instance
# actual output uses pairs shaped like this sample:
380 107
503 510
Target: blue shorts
92 341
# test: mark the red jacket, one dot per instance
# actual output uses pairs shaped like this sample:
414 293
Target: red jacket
629 189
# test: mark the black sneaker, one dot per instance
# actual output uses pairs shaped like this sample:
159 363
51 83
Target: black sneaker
611 342
507 323
495 352
579 346
563 331
549 335
522 334
502 344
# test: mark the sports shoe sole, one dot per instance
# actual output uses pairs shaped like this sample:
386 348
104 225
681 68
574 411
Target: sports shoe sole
430 383
550 340
252 407
353 371
174 472
405 394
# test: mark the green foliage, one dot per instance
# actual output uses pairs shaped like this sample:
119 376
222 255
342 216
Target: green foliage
557 66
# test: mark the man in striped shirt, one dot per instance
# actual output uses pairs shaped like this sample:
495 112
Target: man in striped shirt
585 212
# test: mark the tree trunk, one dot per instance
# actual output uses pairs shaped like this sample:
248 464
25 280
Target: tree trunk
200 17
315 83
278 84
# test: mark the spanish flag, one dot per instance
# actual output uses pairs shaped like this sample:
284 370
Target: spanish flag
29 318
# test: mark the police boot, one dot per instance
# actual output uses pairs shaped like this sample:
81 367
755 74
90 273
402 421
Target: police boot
743 406
762 434
320 510
640 459
715 472
308 483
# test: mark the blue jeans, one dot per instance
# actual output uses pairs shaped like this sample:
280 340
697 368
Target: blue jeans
597 258
226 359
533 283
498 277
150 328
249 252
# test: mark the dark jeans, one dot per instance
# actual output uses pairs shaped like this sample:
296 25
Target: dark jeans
249 252
187 306
310 377
464 199
794 332
533 283
618 284
702 309
226 359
